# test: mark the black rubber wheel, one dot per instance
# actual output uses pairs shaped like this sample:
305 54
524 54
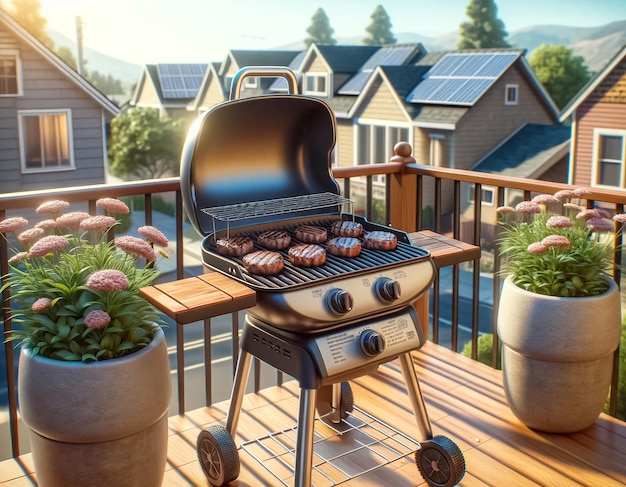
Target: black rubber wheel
323 404
218 456
440 461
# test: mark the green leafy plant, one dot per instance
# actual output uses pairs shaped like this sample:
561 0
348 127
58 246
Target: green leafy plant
76 293
555 246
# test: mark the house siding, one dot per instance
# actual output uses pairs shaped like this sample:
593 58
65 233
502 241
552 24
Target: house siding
212 96
47 88
381 104
345 143
604 108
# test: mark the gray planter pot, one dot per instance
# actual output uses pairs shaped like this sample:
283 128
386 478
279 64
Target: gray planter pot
98 424
557 355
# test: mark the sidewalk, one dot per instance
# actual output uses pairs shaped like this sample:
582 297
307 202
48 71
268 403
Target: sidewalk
466 284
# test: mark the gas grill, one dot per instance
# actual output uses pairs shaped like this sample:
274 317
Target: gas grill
263 163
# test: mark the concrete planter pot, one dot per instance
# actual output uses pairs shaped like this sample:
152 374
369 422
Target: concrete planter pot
557 355
98 424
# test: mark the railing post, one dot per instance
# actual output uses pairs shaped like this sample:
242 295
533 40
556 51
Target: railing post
403 190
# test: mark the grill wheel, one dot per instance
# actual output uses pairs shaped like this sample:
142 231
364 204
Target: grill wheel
218 455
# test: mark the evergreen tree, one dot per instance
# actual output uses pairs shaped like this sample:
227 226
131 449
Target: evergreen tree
66 54
485 29
561 73
320 32
379 31
26 13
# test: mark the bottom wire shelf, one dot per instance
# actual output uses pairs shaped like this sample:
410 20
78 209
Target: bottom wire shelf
360 444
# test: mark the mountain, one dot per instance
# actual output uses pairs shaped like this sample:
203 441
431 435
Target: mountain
597 45
96 61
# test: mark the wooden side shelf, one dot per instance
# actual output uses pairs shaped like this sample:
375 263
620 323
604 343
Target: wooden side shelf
445 250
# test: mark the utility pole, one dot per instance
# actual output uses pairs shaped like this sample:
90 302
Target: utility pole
79 42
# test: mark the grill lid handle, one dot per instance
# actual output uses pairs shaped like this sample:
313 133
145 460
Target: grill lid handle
263 72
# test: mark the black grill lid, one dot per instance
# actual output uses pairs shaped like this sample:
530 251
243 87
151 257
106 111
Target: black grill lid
256 149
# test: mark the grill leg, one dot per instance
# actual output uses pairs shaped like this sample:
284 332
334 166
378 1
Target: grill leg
239 388
415 395
304 442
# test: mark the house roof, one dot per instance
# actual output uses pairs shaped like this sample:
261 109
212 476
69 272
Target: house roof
58 63
244 58
345 59
212 71
592 85
528 152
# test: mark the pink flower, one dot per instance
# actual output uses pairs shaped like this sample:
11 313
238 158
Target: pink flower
47 224
153 235
52 207
48 244
564 194
588 214
31 235
72 220
558 221
573 206
18 257
12 224
528 208
537 248
621 218
556 241
544 199
135 246
98 223
107 280
113 205
503 210
41 304
600 225
97 319
580 192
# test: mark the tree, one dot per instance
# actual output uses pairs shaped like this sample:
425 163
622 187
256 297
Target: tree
379 31
145 146
320 32
561 73
485 30
66 54
26 13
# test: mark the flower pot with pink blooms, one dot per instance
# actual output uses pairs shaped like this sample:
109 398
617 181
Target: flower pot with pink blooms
93 380
559 316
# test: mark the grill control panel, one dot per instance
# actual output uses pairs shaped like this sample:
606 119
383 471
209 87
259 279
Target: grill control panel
368 342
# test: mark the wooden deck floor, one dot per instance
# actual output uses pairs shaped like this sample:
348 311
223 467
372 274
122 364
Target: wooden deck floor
465 402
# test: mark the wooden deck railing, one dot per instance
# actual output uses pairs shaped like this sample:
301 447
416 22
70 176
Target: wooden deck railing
406 186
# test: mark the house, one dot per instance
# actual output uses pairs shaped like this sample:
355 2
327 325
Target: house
169 88
598 125
53 120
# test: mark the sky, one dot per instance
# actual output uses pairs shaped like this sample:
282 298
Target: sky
162 31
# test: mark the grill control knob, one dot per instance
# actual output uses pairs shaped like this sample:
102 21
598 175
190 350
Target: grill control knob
339 301
387 289
372 343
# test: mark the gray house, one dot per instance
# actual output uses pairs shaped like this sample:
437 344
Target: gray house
52 121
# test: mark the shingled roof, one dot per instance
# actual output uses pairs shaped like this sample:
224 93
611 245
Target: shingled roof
346 59
531 149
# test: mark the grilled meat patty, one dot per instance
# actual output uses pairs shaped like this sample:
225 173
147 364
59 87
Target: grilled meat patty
379 240
311 234
344 246
346 228
234 246
274 239
307 255
263 262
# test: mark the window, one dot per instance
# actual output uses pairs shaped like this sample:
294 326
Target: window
9 74
228 80
315 84
510 94
375 143
609 158
45 141
436 149
251 82
487 194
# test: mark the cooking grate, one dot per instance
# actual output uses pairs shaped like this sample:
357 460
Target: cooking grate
339 449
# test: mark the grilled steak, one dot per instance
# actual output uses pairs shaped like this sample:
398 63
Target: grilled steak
274 239
234 246
344 246
263 262
345 228
307 255
311 234
380 240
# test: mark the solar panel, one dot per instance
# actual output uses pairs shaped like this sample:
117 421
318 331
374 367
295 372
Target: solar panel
461 78
180 80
